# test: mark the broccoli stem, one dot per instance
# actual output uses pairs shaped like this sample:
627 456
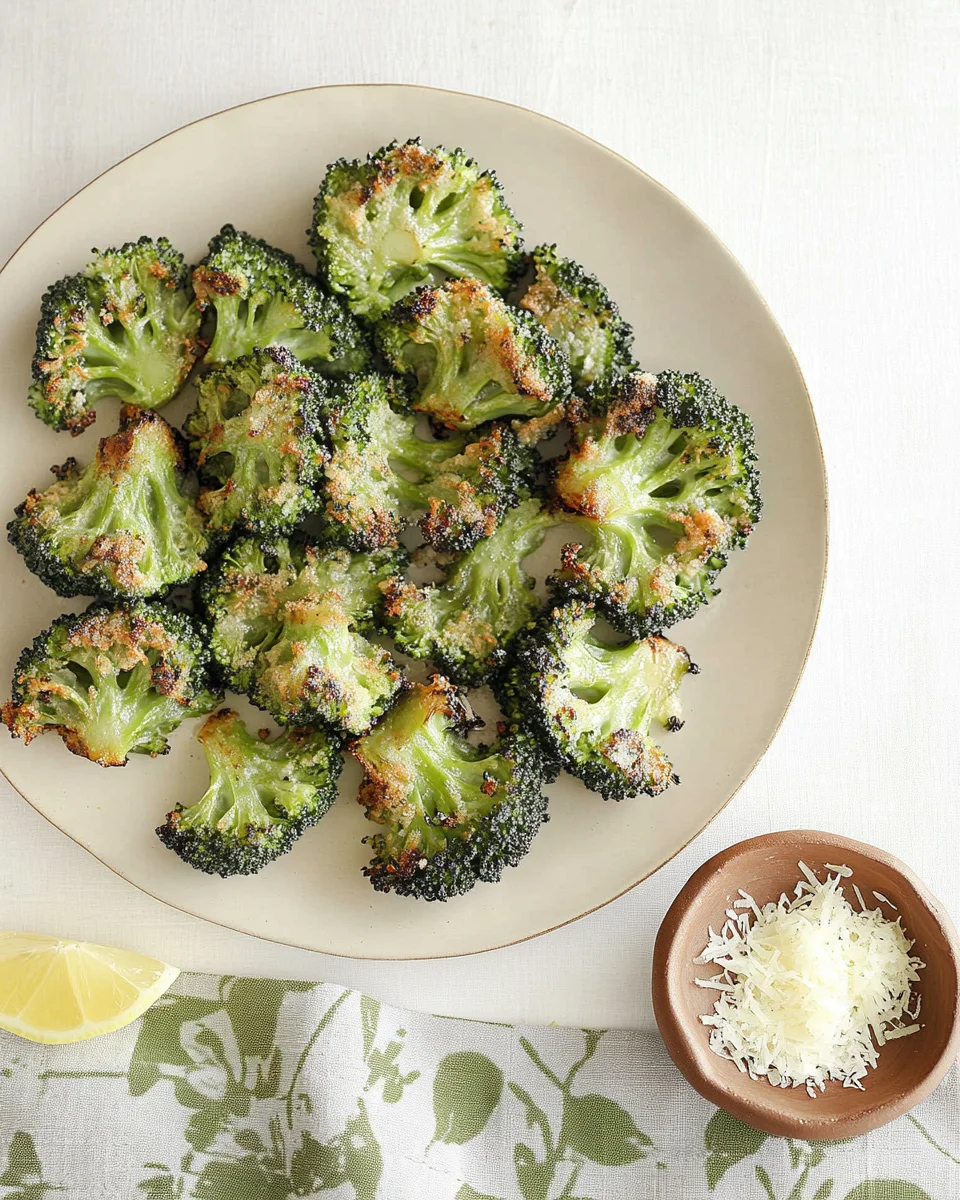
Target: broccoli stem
632 547
493 574
240 777
448 777
615 681
255 468
633 474
468 382
144 502
261 320
441 236
114 717
137 362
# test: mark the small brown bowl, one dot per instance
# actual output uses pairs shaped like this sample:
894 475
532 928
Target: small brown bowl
908 1068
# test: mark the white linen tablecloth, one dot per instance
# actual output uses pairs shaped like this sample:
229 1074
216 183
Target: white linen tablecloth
820 141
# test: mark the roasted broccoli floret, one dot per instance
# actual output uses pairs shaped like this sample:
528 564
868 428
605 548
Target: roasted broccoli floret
593 703
665 486
383 225
454 814
124 526
472 358
381 474
466 623
263 794
263 297
287 628
576 309
111 681
257 441
127 326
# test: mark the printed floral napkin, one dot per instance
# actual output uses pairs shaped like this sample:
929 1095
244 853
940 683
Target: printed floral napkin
259 1089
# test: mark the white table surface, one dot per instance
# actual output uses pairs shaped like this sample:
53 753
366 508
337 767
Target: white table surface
819 139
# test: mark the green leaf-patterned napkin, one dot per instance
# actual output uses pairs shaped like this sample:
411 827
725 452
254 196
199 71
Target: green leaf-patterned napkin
259 1089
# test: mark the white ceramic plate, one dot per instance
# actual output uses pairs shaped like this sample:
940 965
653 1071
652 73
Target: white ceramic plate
692 308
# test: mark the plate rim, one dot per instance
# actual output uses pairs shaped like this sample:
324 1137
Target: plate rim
754 289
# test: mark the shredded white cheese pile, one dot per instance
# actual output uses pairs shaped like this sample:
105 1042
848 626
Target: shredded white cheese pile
810 988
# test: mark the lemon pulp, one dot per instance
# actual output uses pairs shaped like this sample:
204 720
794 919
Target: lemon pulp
54 991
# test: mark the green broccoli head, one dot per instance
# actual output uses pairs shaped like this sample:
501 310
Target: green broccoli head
593 704
124 526
263 297
263 794
466 623
287 625
472 358
111 681
380 474
382 226
576 309
664 485
126 327
453 814
257 441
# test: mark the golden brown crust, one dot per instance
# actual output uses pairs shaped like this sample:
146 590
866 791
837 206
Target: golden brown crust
537 429
397 593
213 724
571 564
704 533
543 297
211 281
641 762
475 638
64 372
118 456
119 452
379 527
119 553
444 517
422 304
410 161
631 411
160 270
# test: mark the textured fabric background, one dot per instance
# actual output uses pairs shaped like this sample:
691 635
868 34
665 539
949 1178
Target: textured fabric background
257 1089
819 139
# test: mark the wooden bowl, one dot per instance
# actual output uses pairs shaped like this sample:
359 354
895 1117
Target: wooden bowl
908 1069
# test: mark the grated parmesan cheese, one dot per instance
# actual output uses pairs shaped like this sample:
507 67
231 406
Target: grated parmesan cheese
809 989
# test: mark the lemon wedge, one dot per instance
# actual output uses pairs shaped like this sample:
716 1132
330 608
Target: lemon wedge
56 991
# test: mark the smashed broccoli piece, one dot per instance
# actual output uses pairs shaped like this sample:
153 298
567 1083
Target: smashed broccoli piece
472 358
111 681
256 438
287 624
454 814
263 794
126 326
466 623
664 485
593 703
263 297
381 474
123 526
576 309
384 225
